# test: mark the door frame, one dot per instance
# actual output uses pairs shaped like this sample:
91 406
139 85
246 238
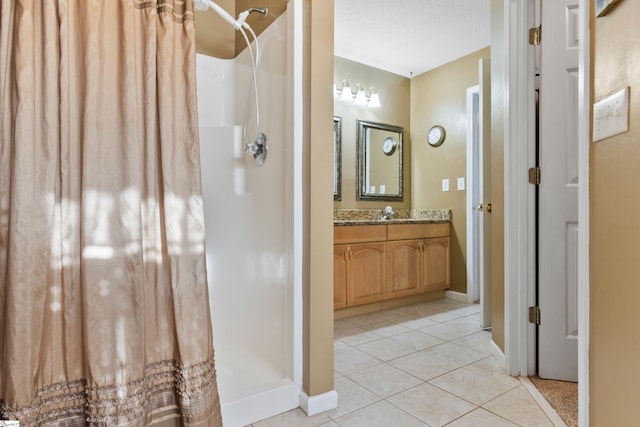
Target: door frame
519 155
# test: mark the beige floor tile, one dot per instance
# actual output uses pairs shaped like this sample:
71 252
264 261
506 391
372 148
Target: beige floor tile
380 414
360 379
386 329
470 386
465 323
385 349
445 332
351 396
384 380
443 316
518 406
466 310
432 405
349 359
352 322
355 336
397 316
424 365
489 367
295 418
417 323
481 418
455 353
416 340
480 341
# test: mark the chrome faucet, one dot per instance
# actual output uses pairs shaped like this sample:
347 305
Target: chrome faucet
387 213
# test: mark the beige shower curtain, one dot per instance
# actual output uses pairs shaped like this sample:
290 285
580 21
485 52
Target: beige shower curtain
104 308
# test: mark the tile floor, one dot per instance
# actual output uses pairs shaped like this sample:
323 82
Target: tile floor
428 364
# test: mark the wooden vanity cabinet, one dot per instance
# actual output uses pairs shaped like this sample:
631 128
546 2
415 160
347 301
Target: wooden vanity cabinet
358 274
359 265
366 270
378 262
436 264
339 276
404 268
415 266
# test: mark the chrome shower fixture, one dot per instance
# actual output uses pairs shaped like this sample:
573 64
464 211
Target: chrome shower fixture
257 147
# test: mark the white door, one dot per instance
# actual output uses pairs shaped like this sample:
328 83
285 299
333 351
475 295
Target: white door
485 192
473 194
479 193
558 196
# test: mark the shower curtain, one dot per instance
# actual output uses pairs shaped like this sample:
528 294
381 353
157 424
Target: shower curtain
104 315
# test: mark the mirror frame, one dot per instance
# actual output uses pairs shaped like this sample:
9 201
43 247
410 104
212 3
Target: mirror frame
337 158
363 126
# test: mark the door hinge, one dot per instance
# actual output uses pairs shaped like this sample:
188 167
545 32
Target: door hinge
535 34
534 175
534 315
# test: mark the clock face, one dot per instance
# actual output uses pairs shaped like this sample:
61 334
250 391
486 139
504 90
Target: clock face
436 135
389 146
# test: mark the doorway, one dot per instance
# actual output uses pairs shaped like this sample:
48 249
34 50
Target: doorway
519 155
479 193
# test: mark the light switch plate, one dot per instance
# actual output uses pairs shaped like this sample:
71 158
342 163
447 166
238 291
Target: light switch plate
611 115
460 183
445 184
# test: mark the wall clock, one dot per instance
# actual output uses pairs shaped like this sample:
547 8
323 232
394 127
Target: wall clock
389 146
436 136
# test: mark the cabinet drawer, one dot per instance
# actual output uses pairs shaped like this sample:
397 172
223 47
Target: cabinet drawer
417 231
359 233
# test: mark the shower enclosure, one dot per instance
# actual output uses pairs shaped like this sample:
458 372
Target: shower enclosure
250 214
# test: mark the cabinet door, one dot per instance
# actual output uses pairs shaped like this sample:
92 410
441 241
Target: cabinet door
339 276
436 264
366 273
403 268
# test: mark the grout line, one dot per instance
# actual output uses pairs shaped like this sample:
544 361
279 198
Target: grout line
542 402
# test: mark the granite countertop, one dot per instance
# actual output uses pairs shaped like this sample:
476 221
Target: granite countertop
401 216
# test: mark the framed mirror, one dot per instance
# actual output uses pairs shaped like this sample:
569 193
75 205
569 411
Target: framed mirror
337 158
379 160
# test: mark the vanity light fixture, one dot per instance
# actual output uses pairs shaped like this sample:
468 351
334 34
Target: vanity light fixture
360 98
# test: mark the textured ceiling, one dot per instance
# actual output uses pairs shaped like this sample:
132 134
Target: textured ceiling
409 37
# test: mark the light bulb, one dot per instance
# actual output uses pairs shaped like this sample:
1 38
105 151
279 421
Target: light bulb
346 94
361 98
374 100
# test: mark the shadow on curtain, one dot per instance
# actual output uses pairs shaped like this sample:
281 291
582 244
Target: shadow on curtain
104 315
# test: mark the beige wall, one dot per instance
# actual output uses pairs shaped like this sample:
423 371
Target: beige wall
394 91
497 173
318 286
439 97
615 229
215 37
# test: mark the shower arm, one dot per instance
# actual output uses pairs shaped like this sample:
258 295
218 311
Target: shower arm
202 5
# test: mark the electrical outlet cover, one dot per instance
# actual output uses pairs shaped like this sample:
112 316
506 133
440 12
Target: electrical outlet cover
445 184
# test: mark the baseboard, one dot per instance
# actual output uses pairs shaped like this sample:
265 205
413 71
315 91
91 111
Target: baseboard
313 405
498 354
457 296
